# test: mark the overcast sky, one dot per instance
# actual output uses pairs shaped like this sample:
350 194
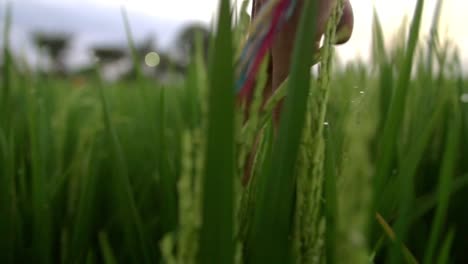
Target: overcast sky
100 21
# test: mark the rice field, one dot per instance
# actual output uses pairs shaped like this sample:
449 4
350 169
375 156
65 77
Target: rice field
369 164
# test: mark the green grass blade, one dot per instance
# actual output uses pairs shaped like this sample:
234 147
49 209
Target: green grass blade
7 65
7 197
124 201
90 258
394 120
82 229
106 249
434 35
273 220
397 107
38 125
7 155
131 43
217 232
408 256
378 41
409 167
386 70
331 202
167 179
427 203
445 183
256 186
444 255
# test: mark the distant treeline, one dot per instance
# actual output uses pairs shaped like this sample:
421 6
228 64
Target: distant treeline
118 62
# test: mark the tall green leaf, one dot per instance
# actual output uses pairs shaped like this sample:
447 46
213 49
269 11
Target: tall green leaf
447 172
217 235
273 218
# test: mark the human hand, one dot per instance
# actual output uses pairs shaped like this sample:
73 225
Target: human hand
283 45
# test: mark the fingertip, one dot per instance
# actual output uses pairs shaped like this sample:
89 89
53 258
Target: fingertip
346 25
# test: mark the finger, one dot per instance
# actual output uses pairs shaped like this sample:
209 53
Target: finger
346 25
325 8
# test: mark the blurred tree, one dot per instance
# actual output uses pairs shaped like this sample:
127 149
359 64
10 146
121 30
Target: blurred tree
187 39
146 46
141 51
167 66
55 45
165 63
112 60
108 54
168 71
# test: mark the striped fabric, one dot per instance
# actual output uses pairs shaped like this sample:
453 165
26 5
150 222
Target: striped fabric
269 20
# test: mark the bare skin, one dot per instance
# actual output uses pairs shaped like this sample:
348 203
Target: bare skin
281 52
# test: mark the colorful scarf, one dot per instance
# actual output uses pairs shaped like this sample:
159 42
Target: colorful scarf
266 24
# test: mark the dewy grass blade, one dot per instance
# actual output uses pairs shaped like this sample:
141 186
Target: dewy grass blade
217 232
273 219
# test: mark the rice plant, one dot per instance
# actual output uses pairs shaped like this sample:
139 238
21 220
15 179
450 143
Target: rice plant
368 165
